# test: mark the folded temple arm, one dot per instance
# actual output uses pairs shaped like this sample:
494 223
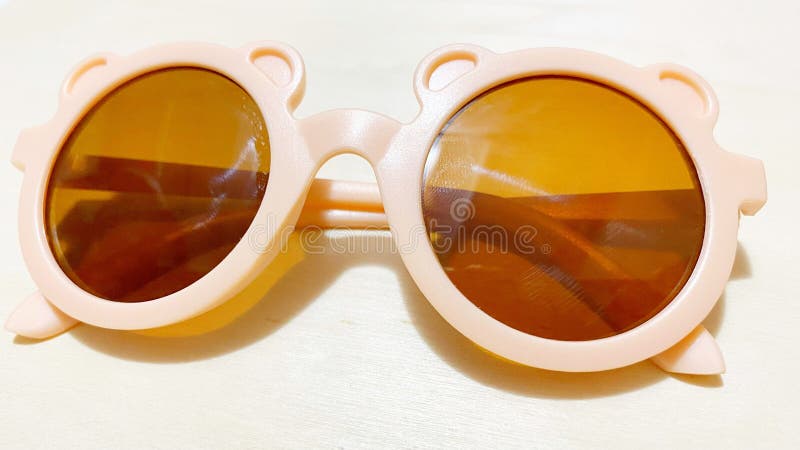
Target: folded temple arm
329 204
334 204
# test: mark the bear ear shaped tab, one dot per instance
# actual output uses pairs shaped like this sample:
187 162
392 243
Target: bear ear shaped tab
283 67
449 69
85 73
689 90
445 65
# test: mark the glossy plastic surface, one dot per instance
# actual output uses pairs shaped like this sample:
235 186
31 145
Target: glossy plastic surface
273 76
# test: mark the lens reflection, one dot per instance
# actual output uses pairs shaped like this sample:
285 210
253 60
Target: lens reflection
157 184
563 208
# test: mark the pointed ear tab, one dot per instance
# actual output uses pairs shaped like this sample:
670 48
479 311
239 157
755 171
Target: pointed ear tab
85 73
282 65
688 90
696 354
446 65
37 318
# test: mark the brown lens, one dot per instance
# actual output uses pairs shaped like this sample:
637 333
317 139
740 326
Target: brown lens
156 184
563 208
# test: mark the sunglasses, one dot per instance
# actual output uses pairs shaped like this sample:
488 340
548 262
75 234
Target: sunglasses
561 209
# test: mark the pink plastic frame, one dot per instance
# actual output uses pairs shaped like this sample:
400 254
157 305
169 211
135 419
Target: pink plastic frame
273 74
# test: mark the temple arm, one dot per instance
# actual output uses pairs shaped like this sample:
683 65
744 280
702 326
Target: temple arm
329 204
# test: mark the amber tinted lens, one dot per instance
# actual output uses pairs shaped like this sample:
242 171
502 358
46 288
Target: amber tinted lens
563 208
156 184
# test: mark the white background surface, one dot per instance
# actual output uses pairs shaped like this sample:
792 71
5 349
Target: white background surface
344 351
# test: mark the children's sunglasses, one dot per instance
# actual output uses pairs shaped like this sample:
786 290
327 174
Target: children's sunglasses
560 208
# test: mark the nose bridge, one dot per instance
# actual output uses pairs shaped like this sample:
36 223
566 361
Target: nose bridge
329 203
364 133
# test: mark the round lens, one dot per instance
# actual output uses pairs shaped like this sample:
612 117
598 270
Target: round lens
563 208
156 184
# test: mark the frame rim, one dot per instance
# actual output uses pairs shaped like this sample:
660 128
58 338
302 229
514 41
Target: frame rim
695 130
397 152
239 266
